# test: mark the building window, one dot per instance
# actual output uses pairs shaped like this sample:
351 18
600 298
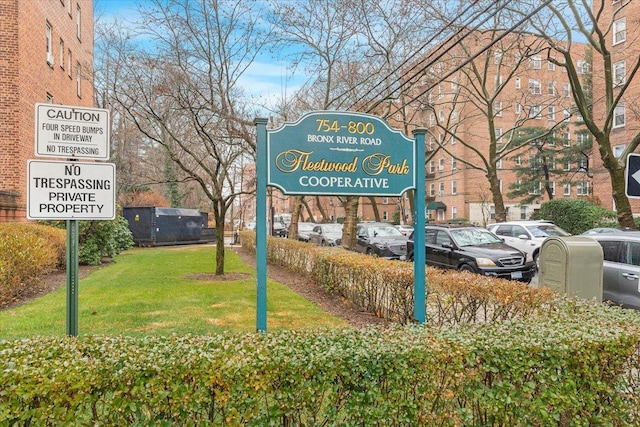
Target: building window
583 67
499 164
497 57
432 190
441 116
497 107
385 216
534 112
619 30
551 113
523 212
566 89
441 189
69 62
454 187
78 19
551 66
518 83
518 160
619 116
518 108
535 62
385 200
492 212
551 88
498 135
619 73
518 184
552 185
432 119
582 138
79 79
567 114
567 166
582 188
618 150
454 164
49 98
454 212
566 190
62 54
49 47
441 164
535 87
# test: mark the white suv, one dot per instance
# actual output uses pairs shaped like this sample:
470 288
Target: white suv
526 235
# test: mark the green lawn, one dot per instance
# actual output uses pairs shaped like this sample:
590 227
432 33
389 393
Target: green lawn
150 292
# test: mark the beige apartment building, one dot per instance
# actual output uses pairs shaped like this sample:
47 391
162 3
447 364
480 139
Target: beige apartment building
46 55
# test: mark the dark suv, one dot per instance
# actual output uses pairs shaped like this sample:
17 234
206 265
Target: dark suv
475 249
381 239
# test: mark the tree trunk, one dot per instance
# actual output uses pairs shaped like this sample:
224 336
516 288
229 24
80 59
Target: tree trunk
295 215
498 201
350 222
374 207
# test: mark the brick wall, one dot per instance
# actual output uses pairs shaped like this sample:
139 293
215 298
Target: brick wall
26 79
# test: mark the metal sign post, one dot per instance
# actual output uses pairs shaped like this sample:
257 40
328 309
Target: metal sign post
72 278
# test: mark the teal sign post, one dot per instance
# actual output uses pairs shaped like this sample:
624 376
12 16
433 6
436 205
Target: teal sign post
339 154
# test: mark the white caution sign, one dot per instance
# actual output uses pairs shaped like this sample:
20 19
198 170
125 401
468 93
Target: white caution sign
70 190
72 132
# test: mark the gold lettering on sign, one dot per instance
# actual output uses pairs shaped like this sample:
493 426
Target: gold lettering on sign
377 163
291 160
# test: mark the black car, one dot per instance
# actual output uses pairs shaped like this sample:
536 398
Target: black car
381 239
474 249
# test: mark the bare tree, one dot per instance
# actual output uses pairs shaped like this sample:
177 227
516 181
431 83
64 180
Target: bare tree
183 94
614 94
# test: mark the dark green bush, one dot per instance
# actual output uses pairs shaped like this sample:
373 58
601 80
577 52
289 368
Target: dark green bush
568 368
27 251
576 215
99 239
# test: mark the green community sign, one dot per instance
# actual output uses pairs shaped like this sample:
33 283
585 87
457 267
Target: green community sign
339 153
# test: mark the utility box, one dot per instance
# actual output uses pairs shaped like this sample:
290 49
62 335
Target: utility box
572 266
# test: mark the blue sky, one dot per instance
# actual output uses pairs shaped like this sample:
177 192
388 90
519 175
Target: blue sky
266 79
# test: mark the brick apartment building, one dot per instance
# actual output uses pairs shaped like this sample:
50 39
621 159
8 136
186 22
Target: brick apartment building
622 43
46 55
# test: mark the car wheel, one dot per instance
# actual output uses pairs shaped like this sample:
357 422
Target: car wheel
324 243
467 267
369 251
535 259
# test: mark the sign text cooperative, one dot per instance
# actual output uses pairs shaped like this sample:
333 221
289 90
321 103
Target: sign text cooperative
341 154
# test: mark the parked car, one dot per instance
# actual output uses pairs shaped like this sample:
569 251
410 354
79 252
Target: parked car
404 229
526 236
381 239
600 230
326 235
474 249
304 229
621 267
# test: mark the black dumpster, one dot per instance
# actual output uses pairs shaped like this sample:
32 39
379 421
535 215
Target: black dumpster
153 226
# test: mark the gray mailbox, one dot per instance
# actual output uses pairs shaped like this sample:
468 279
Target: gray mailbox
572 266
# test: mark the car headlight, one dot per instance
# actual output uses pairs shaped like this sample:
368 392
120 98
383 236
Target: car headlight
528 258
380 245
485 262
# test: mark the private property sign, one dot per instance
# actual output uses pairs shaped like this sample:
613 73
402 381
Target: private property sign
72 132
340 153
70 190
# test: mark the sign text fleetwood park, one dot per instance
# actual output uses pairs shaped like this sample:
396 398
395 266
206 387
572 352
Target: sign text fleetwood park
338 153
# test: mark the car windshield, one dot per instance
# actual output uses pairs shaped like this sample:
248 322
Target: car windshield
305 227
332 228
546 230
384 232
474 237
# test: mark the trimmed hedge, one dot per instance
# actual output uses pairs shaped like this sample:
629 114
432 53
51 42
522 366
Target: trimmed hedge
27 251
568 368
385 288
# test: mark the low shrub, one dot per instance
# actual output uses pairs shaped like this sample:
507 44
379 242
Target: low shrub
567 368
385 288
575 215
99 239
27 251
